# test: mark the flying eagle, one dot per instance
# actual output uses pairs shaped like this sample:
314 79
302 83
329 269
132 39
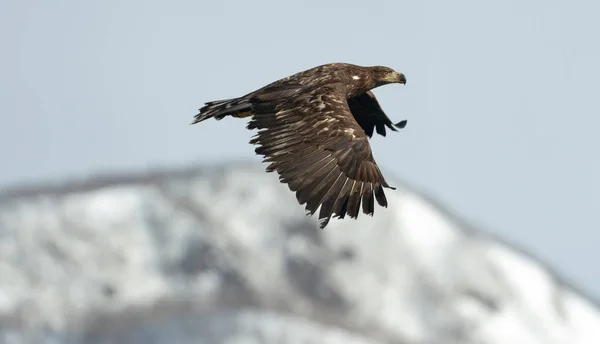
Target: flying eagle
313 128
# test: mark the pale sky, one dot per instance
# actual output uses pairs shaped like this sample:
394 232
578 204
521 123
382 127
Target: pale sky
501 99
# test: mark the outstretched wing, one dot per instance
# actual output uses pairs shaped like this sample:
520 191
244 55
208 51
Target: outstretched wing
369 114
314 143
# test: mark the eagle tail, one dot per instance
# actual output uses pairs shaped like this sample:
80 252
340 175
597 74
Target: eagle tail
219 109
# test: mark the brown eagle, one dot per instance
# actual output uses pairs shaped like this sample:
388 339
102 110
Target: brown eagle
313 128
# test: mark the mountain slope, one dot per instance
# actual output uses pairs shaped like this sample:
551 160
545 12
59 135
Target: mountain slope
156 257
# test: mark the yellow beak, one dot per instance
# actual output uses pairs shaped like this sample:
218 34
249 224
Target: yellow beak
396 77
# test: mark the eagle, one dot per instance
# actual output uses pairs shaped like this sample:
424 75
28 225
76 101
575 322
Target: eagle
313 127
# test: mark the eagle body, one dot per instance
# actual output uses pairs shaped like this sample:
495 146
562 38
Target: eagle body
313 129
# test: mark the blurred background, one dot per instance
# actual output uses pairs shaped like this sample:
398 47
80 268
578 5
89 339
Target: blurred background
104 184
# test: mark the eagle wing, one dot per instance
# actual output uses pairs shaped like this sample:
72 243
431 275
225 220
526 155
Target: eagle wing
311 139
369 114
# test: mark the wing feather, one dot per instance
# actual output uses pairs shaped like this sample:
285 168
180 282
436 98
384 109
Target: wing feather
370 116
313 141
355 198
367 200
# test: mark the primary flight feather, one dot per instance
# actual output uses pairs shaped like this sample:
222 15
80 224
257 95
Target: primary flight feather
313 129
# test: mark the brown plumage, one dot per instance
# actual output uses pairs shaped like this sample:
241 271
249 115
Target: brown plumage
313 129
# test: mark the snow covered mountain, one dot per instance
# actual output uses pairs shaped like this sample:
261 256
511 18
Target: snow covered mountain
225 255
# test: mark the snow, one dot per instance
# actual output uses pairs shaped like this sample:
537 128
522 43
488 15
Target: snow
233 238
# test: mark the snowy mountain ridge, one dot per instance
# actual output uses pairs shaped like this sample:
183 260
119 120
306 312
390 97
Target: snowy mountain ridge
125 259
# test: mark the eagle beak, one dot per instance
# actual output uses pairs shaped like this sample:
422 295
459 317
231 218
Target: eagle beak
401 79
395 77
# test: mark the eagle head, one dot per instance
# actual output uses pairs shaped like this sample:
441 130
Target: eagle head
385 75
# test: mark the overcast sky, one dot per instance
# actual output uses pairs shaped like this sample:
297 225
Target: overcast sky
502 98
